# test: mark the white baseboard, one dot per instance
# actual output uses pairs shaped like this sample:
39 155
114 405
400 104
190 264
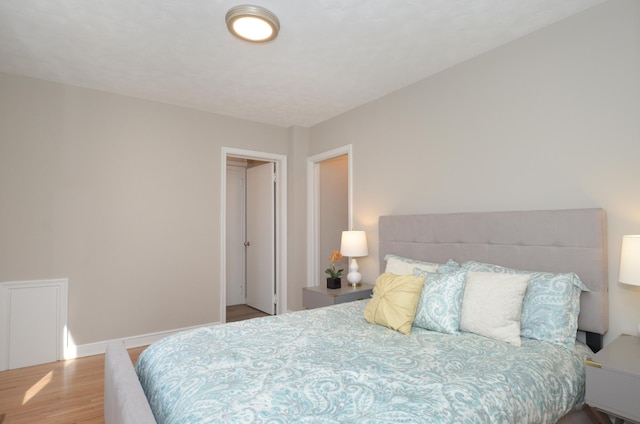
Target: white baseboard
98 348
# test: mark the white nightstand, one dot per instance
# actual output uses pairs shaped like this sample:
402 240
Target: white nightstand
320 296
613 379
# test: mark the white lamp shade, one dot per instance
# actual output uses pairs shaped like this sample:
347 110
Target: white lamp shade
630 260
354 244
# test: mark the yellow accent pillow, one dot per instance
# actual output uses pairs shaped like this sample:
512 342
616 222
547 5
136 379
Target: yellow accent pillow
394 302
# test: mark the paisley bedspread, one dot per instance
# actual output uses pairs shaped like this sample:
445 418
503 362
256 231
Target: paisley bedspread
329 365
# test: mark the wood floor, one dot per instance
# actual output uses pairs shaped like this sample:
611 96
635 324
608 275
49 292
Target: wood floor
63 392
68 392
242 312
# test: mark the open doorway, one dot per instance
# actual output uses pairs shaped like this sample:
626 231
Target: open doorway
253 248
250 237
333 212
326 173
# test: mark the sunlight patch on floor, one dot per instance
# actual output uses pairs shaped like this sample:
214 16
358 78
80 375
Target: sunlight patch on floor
35 389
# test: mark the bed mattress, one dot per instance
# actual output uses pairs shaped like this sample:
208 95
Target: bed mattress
329 365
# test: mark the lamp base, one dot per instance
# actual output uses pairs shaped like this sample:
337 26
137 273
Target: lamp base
354 277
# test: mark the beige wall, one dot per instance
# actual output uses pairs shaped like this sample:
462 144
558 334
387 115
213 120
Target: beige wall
120 195
297 216
550 121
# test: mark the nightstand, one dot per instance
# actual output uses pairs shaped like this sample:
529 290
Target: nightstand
320 296
613 379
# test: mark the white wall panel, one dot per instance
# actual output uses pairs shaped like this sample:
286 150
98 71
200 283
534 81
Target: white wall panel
33 322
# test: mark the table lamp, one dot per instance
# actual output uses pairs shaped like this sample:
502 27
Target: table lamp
630 261
353 245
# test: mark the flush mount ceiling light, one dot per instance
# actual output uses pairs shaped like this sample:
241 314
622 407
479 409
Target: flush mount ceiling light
252 23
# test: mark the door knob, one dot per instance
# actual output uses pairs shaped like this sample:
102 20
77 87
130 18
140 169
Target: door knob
247 243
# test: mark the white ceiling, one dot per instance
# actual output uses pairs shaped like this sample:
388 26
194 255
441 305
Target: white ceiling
330 56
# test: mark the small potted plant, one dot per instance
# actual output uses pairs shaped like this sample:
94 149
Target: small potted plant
334 281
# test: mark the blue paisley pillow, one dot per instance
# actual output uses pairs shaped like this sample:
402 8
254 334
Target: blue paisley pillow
440 301
450 266
551 304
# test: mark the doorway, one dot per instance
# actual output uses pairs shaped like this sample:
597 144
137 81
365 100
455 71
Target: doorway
262 178
250 237
332 210
324 230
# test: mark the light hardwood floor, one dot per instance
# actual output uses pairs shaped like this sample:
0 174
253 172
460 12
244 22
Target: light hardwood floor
63 392
68 392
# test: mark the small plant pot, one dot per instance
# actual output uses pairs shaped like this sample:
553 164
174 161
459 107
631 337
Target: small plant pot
334 283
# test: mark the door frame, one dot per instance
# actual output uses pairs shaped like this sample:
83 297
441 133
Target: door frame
280 162
313 205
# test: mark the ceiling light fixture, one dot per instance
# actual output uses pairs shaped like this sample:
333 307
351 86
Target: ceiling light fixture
252 23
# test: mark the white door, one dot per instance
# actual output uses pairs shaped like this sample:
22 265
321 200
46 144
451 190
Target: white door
235 294
260 249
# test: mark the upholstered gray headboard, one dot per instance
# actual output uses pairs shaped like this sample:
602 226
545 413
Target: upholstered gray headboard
572 240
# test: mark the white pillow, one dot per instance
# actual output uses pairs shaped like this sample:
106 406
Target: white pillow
492 305
551 304
401 266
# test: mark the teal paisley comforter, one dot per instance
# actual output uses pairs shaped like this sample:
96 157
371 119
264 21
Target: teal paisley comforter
329 365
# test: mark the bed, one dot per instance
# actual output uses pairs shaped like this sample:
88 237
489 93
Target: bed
332 365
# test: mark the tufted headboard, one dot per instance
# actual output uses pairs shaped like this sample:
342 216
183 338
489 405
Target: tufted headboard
573 240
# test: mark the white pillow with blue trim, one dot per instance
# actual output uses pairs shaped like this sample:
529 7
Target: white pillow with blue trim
400 265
